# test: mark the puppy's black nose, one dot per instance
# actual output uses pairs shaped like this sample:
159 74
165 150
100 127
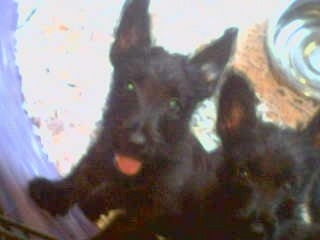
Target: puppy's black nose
257 227
135 129
138 138
263 224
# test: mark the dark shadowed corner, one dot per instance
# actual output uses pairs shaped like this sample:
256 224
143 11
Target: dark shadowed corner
21 157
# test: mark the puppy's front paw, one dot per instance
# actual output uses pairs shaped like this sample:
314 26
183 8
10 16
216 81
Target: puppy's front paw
49 195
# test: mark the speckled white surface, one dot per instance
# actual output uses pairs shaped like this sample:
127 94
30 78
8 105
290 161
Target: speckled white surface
62 54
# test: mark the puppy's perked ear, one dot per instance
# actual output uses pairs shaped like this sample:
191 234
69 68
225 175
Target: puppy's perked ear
212 59
236 110
133 32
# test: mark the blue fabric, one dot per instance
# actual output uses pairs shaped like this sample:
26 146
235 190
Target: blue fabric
21 157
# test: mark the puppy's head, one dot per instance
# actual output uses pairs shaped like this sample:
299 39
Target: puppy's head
154 92
266 168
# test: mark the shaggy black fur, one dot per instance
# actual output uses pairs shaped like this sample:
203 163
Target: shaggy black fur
255 187
269 174
152 98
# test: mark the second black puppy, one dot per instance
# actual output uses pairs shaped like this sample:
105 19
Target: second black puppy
268 173
145 154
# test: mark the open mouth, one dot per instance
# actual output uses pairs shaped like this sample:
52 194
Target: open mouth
127 165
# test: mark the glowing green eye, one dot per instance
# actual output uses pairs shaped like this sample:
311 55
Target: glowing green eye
243 173
174 103
130 86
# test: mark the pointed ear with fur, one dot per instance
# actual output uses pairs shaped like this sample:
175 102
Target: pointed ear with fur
312 130
236 110
213 59
133 32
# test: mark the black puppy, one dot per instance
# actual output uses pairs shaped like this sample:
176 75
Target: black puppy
145 155
268 172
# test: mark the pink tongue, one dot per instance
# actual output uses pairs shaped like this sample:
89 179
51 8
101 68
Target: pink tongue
126 165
